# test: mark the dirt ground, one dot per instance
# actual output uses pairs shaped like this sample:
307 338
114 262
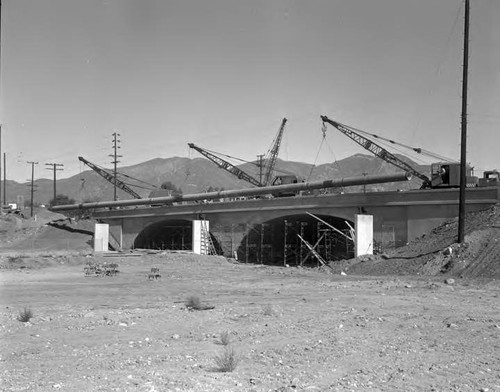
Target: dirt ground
425 317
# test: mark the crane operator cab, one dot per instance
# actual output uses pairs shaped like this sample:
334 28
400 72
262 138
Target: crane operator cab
447 175
285 180
490 178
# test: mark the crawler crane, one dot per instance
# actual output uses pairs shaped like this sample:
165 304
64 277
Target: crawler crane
443 174
270 159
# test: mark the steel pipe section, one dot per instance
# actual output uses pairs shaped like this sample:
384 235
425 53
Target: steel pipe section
268 190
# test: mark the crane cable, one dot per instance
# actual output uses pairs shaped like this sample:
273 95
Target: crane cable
136 179
229 156
323 129
418 150
125 175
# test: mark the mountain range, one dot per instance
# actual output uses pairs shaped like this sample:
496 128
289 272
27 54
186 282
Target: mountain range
199 175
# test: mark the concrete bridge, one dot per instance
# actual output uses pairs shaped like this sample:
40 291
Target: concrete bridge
265 230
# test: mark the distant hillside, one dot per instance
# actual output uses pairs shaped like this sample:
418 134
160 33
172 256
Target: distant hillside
198 174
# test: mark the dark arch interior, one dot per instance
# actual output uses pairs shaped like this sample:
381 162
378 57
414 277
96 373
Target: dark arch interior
277 241
171 234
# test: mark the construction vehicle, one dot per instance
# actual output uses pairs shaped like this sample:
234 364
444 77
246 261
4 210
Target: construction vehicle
443 174
490 178
12 208
286 179
111 178
270 163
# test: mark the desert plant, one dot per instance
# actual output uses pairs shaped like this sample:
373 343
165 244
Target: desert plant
194 303
227 361
225 338
25 315
268 311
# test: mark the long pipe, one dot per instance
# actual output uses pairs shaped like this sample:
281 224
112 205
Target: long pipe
277 189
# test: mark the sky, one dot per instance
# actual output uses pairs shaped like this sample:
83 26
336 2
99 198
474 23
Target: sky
224 73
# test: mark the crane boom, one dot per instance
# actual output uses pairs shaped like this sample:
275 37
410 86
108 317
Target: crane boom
111 178
273 155
223 164
377 150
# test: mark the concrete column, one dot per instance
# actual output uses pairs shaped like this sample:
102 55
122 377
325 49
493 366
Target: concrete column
364 235
199 240
101 237
116 236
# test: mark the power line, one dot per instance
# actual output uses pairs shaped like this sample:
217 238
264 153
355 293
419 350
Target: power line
55 168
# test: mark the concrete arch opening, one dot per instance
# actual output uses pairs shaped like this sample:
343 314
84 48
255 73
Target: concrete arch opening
278 242
170 235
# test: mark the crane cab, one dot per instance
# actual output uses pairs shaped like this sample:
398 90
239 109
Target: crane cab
285 179
490 178
447 175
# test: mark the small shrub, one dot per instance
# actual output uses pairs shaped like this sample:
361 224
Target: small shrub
268 311
227 361
25 315
193 302
225 338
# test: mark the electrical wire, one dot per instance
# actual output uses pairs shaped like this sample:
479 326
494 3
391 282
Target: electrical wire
438 69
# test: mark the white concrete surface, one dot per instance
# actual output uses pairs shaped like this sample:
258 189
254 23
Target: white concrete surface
363 226
101 237
199 240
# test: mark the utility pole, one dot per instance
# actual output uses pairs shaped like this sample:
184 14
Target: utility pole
32 184
260 166
1 200
4 178
55 169
364 185
4 200
463 144
115 161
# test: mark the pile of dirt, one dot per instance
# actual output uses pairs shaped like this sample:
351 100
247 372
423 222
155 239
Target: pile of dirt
439 253
46 231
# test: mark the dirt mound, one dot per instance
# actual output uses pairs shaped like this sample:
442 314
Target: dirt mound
439 253
46 231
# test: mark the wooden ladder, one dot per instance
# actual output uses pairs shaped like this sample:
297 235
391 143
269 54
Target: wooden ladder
207 245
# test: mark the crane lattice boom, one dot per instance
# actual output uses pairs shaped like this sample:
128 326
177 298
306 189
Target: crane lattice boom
377 150
273 155
223 164
111 178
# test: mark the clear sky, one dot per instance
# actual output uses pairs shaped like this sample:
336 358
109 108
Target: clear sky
223 73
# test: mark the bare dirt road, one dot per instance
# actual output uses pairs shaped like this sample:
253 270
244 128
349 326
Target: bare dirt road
390 324
291 329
